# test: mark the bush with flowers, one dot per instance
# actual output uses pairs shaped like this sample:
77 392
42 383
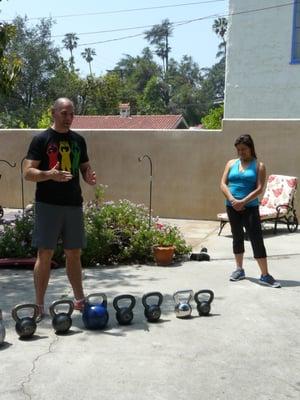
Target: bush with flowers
117 233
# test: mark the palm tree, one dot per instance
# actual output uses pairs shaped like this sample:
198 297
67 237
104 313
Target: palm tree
88 54
220 28
70 43
159 36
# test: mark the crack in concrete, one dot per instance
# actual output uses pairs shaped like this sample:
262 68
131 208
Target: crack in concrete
33 369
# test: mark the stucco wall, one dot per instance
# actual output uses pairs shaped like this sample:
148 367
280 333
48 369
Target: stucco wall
187 165
260 81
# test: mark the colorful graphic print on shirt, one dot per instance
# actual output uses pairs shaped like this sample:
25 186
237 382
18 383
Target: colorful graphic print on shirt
66 153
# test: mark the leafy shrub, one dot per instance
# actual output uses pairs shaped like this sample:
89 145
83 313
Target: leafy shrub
117 232
15 239
213 120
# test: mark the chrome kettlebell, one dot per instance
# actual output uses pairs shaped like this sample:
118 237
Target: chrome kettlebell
61 321
124 314
152 311
25 326
2 329
95 314
182 299
204 298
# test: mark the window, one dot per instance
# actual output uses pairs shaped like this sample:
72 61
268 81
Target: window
296 34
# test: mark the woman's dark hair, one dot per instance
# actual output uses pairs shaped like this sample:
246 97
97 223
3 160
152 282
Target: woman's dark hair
247 141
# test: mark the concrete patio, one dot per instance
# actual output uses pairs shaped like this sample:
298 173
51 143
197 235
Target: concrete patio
248 347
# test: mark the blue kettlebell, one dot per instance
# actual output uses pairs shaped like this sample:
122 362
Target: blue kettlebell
95 315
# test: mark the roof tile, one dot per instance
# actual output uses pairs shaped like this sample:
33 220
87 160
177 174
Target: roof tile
131 122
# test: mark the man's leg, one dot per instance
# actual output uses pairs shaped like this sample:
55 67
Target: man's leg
74 271
41 274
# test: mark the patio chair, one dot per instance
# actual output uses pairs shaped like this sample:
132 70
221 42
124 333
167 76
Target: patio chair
277 204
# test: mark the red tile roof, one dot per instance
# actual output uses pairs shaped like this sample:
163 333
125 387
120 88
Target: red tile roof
131 122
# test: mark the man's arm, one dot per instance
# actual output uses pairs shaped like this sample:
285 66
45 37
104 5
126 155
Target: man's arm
88 175
34 174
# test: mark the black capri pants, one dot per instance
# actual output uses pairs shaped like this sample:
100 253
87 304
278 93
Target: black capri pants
249 219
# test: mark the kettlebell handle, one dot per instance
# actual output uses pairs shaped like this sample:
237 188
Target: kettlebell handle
18 307
124 297
152 294
102 295
187 294
204 291
56 303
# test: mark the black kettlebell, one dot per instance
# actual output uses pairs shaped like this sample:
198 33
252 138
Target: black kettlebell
204 298
61 321
124 314
25 326
152 311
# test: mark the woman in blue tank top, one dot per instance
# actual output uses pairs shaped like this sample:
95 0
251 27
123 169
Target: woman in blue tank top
242 181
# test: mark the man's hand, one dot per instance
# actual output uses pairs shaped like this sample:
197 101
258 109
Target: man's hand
89 176
59 176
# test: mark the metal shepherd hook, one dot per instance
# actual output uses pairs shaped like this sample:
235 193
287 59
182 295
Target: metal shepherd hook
150 200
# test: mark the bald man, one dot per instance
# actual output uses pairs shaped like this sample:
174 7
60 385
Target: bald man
54 160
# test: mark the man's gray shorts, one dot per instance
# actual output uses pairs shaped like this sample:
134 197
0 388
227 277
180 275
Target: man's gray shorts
53 222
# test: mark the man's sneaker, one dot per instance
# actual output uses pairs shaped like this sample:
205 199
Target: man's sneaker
268 280
79 304
237 275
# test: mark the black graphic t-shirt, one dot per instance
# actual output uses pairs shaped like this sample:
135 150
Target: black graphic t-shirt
69 149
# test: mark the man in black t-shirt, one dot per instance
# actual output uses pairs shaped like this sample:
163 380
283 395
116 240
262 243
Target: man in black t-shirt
54 159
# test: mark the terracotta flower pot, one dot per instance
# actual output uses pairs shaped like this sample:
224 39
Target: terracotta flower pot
163 255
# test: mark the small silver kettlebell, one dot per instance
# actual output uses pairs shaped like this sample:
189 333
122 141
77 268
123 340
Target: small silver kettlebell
182 299
2 329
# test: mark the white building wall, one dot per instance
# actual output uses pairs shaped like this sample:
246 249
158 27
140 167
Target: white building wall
260 81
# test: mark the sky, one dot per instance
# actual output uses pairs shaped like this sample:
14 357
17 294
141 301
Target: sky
87 18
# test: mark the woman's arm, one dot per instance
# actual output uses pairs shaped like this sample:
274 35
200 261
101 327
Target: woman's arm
224 180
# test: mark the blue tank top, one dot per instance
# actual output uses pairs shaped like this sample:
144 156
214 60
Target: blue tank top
241 183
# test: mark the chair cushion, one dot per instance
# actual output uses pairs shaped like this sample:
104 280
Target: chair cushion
223 217
280 190
267 212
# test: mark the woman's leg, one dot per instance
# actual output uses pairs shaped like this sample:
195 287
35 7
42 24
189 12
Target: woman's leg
236 224
235 219
253 226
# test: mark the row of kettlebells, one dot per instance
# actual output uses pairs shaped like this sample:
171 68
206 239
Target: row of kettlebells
95 314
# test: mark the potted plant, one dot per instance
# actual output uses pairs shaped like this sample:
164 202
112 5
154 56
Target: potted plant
165 240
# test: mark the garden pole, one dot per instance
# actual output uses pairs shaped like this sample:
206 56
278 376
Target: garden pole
12 166
150 195
22 185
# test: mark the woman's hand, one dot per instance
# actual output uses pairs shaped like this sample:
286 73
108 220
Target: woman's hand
238 205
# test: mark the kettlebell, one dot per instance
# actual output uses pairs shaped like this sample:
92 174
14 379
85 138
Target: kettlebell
152 311
182 299
124 314
95 315
2 329
204 298
25 326
62 321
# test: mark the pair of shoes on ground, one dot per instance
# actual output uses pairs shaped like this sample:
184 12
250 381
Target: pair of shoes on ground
266 280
